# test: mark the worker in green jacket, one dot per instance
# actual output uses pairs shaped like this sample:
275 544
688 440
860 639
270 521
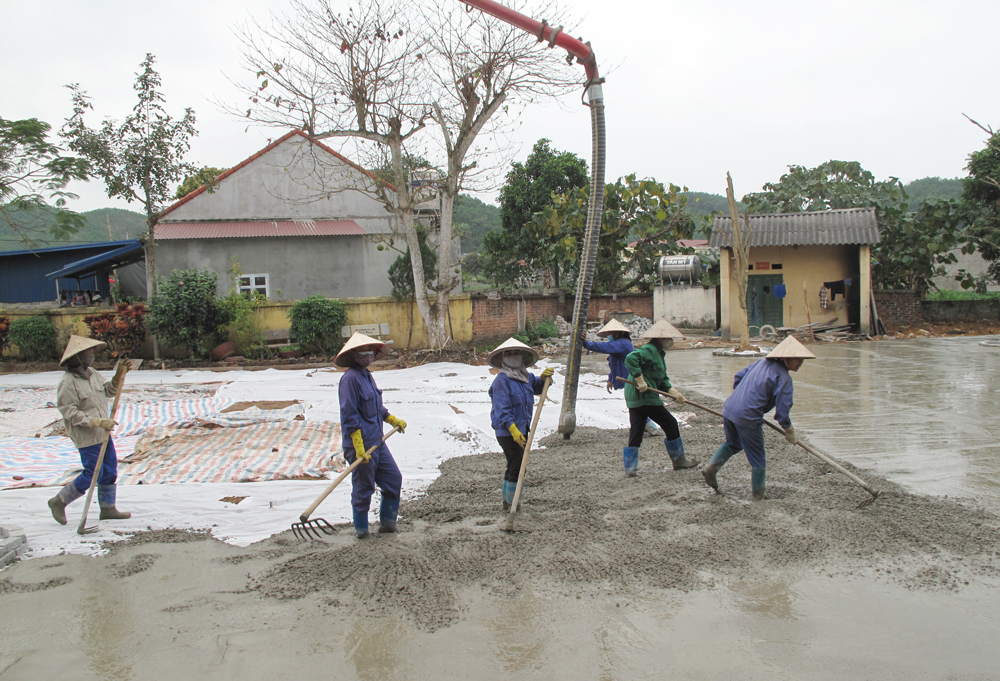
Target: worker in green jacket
649 370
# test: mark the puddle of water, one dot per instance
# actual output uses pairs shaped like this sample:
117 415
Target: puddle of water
923 413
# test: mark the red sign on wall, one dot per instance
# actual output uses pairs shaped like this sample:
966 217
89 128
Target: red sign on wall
762 266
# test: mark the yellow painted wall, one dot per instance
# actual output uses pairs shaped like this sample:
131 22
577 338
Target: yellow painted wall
274 316
811 265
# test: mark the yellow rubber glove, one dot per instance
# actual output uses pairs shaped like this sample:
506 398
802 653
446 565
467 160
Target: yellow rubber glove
518 437
396 423
790 435
359 446
640 383
676 395
547 372
107 424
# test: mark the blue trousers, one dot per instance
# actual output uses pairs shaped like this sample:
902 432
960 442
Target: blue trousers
109 467
749 439
381 470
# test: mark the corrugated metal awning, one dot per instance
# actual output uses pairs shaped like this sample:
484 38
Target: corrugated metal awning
816 228
81 269
258 228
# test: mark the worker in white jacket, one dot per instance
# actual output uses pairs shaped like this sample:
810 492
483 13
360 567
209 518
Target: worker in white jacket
82 399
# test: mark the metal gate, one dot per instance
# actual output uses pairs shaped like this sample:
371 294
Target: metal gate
763 307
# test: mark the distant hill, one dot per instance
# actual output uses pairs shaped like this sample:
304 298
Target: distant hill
476 219
104 224
933 188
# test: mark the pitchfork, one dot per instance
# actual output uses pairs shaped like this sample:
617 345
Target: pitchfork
316 528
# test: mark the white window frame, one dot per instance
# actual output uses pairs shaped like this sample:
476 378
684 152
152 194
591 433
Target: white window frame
252 284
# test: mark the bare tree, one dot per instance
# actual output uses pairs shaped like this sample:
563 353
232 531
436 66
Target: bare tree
740 246
480 67
381 73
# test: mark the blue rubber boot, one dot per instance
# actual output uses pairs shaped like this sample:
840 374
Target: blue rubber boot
721 456
675 449
630 455
387 515
508 494
106 499
361 525
652 428
757 476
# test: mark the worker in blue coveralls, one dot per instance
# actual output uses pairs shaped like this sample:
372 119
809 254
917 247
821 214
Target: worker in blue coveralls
757 389
82 399
512 394
617 349
649 370
361 418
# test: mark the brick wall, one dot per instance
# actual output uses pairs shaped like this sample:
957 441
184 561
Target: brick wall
496 317
899 308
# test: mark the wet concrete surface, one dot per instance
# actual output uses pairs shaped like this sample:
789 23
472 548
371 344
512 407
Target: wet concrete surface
923 413
606 577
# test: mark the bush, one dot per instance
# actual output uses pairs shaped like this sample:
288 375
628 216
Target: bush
35 338
186 311
241 309
945 294
4 330
316 323
124 330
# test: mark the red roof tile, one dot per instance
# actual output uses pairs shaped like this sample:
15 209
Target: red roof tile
235 230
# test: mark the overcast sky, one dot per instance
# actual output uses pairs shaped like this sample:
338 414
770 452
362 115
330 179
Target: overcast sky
694 89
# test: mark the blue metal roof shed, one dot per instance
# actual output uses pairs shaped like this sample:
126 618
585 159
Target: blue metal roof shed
24 274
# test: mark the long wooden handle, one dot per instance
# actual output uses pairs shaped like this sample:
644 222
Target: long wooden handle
527 446
815 452
120 375
340 478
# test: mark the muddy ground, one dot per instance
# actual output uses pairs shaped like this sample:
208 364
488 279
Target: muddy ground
585 531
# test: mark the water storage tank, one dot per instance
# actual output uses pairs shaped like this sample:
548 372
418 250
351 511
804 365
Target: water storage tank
678 268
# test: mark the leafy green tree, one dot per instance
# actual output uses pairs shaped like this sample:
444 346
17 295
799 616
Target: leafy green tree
401 270
33 178
981 196
186 310
206 175
511 255
914 247
141 158
642 221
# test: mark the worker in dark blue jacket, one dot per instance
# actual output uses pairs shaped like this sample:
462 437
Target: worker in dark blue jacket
757 389
361 416
616 349
512 394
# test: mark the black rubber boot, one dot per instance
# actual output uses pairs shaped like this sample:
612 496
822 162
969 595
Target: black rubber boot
709 472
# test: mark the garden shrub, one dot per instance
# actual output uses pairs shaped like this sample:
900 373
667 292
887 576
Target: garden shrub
316 323
124 330
186 310
243 323
35 338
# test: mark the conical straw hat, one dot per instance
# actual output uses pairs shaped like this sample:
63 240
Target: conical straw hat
495 358
360 340
790 348
78 344
611 327
662 329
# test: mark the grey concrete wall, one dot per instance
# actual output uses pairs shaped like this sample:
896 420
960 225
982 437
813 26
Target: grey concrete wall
294 181
972 263
333 266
